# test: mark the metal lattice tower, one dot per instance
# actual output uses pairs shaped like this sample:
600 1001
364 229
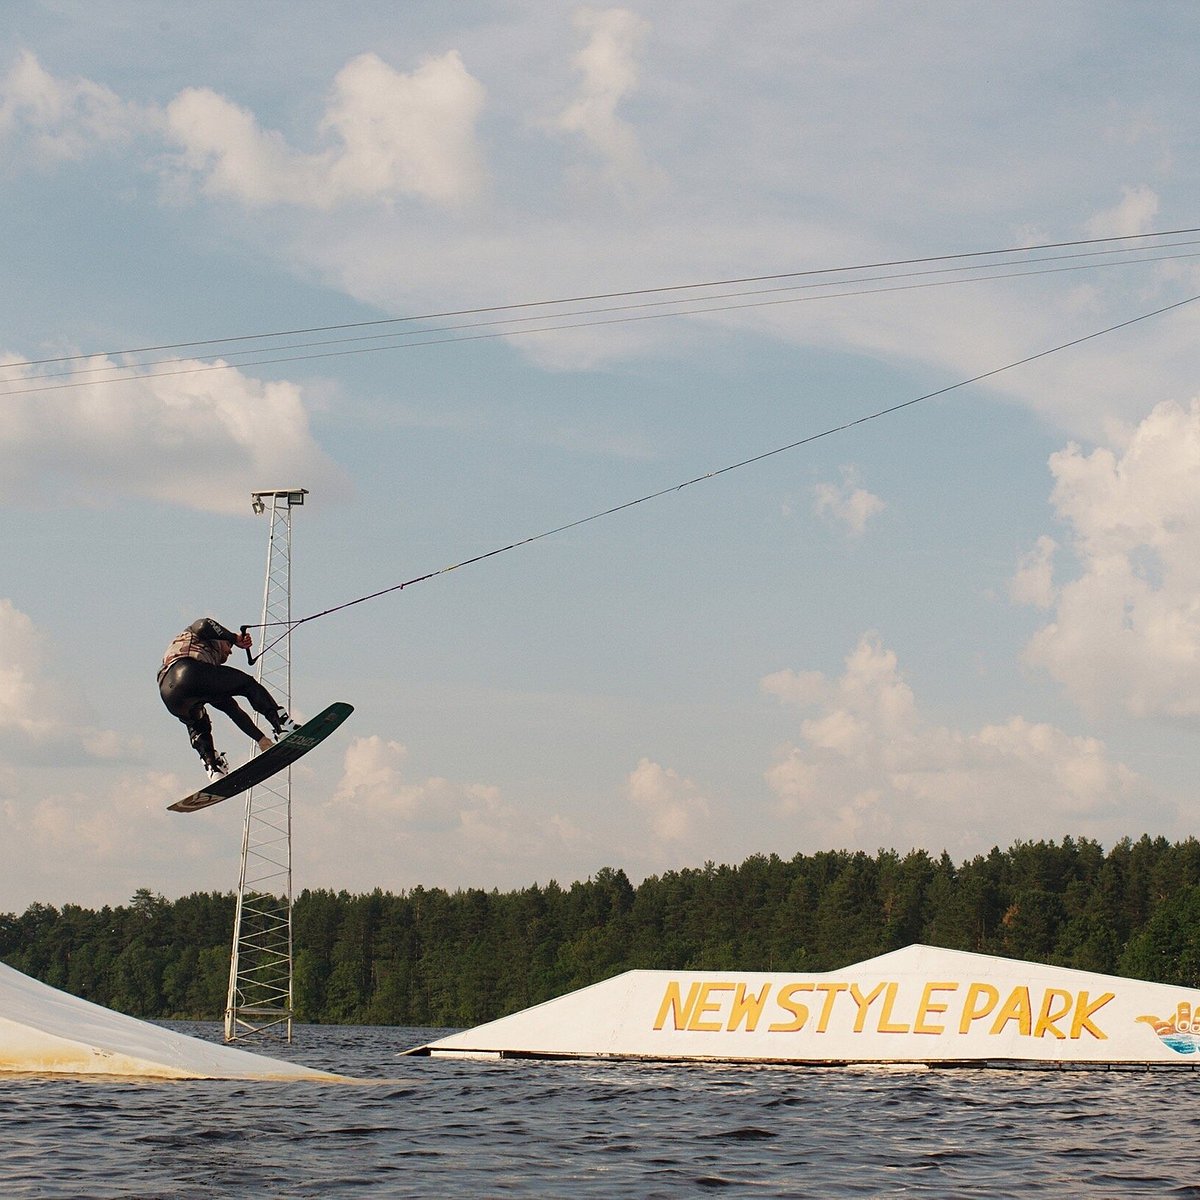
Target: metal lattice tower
260 969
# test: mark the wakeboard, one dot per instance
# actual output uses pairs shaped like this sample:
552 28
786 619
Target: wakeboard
285 752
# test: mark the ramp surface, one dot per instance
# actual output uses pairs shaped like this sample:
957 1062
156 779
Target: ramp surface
919 1005
46 1031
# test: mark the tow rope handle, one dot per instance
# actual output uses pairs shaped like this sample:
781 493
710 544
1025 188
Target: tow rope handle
250 658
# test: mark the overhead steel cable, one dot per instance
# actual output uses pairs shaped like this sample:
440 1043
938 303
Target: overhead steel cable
725 470
595 296
136 372
826 284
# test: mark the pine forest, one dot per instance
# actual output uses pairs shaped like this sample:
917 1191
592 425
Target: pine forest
435 958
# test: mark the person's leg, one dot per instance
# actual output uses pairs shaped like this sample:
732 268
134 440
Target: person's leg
189 682
220 685
223 683
238 715
199 728
178 689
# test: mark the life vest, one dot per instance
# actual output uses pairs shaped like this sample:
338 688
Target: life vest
192 643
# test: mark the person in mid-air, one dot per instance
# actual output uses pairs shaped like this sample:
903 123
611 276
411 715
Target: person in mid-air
194 674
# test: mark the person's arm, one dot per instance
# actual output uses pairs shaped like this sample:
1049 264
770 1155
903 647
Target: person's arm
213 631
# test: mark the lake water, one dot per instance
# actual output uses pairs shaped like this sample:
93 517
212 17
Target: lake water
439 1128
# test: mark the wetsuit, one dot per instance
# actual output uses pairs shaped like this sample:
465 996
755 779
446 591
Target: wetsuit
193 674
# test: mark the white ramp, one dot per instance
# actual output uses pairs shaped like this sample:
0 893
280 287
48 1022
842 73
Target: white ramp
915 1005
45 1031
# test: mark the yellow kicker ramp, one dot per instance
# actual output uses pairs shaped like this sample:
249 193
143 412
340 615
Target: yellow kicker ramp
46 1031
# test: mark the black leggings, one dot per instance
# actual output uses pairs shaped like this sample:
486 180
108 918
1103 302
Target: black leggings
188 685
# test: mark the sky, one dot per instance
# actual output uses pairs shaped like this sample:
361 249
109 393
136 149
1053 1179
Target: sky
967 622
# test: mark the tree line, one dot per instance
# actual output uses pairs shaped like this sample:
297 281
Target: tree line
431 957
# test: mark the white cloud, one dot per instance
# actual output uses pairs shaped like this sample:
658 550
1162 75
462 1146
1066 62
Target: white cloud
393 136
390 135
795 687
374 789
867 771
846 502
1126 629
64 119
409 134
371 774
199 437
1033 582
26 703
373 784
608 64
223 144
374 829
45 735
671 804
1134 214
75 827
385 135
381 829
73 843
37 710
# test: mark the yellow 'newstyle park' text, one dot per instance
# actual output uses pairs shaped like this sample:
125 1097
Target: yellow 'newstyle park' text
935 1008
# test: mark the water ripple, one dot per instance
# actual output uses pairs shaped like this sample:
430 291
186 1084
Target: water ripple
436 1127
